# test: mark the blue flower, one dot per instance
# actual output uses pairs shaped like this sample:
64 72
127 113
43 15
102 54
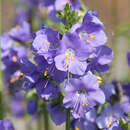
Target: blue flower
6 125
128 57
6 42
22 14
49 70
83 94
46 43
48 2
32 107
43 77
126 88
91 22
10 56
91 30
72 55
59 5
100 59
21 32
108 117
88 122
47 90
58 115
125 104
17 106
109 90
30 74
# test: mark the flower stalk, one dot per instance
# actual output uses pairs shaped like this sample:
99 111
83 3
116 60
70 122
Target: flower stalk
1 101
46 117
68 119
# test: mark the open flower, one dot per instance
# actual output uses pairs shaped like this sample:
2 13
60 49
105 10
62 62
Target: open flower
6 125
83 94
72 55
59 5
46 43
91 30
42 77
88 122
109 117
21 32
100 59
109 90
10 56
49 70
91 22
6 41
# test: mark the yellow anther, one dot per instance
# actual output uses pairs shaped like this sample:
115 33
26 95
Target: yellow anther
99 79
46 68
17 26
67 56
67 63
48 76
82 104
109 124
21 74
86 104
72 58
76 128
12 79
84 110
14 58
17 78
47 43
91 36
87 41
45 73
52 74
100 82
22 79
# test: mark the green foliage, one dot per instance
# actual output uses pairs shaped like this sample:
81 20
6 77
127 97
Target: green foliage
101 107
124 30
70 17
1 107
124 124
31 94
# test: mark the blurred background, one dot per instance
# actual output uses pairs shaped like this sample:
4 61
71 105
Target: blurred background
115 14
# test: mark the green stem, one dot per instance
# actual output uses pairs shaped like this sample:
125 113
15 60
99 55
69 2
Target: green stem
46 117
1 107
1 96
67 119
39 123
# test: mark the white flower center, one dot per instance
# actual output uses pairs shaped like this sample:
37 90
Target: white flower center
69 54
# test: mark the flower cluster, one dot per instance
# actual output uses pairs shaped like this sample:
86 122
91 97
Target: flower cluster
71 58
63 68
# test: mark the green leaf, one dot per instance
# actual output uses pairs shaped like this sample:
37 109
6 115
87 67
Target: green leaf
100 107
124 124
